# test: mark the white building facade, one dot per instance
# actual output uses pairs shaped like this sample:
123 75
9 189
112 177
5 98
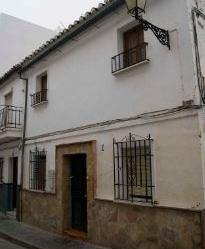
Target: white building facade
114 129
18 39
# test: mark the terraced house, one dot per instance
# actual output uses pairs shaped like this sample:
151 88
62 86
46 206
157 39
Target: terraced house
113 138
27 37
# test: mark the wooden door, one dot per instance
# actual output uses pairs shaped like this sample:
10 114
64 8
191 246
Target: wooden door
79 192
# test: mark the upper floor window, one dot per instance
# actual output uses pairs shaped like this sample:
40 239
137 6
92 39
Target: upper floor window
134 49
37 171
41 90
8 98
133 169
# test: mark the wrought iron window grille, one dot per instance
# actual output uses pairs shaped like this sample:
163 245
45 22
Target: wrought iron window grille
133 169
37 171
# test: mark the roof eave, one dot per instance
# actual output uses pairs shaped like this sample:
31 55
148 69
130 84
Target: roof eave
74 31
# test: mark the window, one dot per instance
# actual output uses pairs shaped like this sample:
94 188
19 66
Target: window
37 173
41 95
134 49
8 99
133 169
1 169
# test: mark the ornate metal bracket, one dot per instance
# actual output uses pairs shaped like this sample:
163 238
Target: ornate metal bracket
161 34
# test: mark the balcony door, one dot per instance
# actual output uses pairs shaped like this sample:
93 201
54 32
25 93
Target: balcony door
9 99
133 43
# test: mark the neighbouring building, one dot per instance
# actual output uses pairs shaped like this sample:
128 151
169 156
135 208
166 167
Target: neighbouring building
18 39
113 139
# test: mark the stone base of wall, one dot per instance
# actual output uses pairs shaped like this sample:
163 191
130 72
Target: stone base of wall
41 210
116 225
122 226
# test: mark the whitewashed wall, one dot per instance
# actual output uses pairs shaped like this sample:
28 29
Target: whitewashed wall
17 87
82 90
177 171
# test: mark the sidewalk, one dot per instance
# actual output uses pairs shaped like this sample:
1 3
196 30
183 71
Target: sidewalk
33 238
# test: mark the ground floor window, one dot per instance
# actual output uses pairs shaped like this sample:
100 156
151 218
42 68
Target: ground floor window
133 169
37 172
1 169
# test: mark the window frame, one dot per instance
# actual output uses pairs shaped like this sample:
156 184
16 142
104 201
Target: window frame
41 94
132 56
38 170
125 185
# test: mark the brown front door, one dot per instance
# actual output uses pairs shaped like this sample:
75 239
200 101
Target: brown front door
79 192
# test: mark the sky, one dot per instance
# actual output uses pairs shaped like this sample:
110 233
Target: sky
47 13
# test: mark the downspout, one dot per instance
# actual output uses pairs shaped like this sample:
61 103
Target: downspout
196 12
197 56
23 147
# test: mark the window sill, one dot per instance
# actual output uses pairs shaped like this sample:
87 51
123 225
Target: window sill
39 191
142 204
39 104
130 67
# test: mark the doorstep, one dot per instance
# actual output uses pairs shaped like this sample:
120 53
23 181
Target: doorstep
76 234
34 238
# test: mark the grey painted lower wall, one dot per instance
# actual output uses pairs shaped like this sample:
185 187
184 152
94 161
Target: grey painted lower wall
6 200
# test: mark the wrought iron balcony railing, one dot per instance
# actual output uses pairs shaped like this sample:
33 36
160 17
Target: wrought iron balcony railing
39 97
129 58
11 117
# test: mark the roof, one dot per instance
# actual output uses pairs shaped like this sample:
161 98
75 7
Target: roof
67 34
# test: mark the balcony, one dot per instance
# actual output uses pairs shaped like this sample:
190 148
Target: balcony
39 97
134 56
11 123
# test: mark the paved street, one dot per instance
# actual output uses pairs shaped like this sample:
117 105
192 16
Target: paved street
4 244
31 237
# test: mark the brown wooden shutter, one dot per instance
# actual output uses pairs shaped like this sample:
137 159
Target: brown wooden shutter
133 38
44 82
133 45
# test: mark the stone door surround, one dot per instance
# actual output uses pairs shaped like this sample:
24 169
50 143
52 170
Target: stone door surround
63 177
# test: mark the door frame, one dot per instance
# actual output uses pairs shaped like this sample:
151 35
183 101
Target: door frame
62 180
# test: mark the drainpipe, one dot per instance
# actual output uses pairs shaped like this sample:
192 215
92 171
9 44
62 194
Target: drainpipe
196 47
23 146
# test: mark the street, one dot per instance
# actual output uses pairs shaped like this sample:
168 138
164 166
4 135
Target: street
7 245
